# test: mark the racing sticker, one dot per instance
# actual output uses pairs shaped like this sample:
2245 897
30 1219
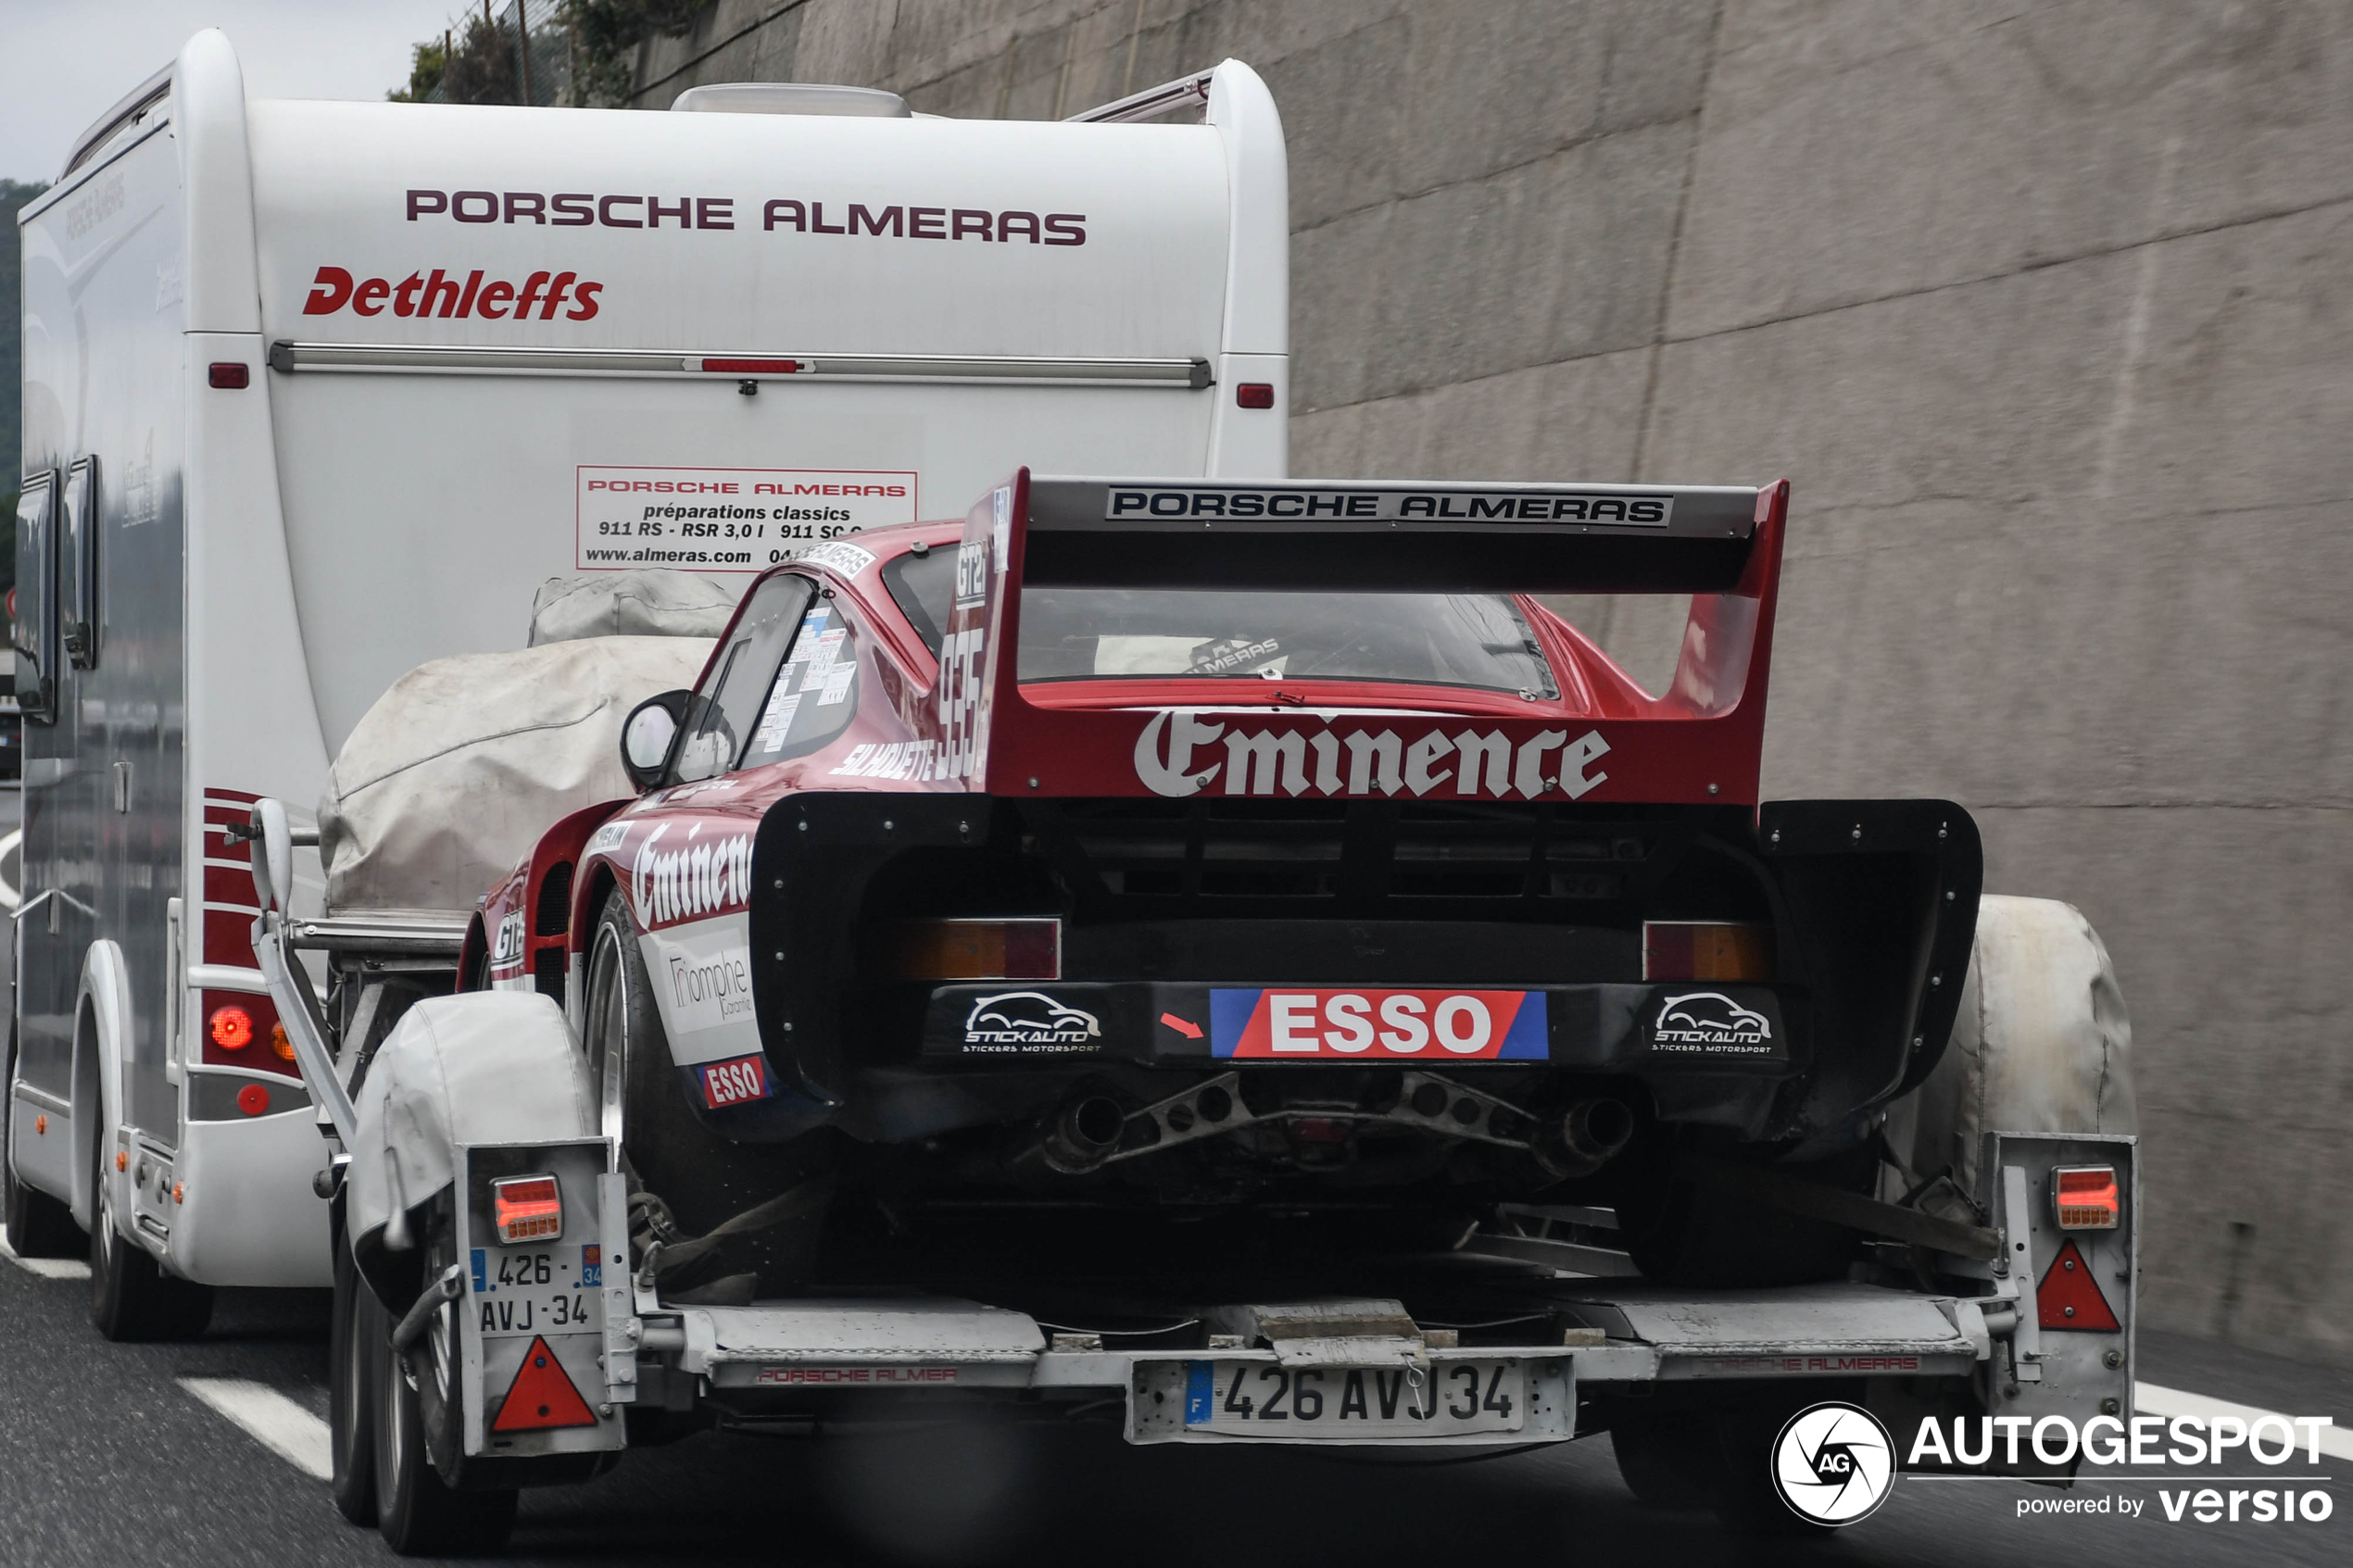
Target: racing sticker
1378 1025
1709 1023
1029 1023
729 520
701 975
734 1083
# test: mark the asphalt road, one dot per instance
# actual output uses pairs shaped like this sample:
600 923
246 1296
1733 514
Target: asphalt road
107 1457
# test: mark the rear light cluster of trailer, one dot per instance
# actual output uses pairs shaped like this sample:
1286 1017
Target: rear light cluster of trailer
2086 1197
527 1208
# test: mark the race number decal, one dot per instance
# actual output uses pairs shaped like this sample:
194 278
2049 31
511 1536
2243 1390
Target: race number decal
727 519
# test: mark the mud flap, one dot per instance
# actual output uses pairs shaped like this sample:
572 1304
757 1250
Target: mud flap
546 1324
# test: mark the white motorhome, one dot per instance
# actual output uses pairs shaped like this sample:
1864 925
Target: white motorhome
317 392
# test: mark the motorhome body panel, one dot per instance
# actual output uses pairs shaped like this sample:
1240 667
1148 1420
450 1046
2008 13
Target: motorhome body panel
104 791
732 239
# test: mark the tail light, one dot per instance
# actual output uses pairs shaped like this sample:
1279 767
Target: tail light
229 1027
527 1208
2087 1197
977 950
1698 949
241 1029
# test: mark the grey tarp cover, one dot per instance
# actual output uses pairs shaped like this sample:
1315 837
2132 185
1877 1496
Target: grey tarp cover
484 1067
2041 1043
456 771
632 604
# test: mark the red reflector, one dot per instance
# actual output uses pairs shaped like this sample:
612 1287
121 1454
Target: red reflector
2069 1296
230 376
1254 394
232 1028
753 367
527 1208
253 1100
542 1394
2086 1197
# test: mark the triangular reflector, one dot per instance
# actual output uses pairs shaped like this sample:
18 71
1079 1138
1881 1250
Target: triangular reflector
2069 1297
542 1394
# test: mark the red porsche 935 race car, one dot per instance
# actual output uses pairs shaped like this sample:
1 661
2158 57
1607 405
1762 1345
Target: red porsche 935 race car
1218 864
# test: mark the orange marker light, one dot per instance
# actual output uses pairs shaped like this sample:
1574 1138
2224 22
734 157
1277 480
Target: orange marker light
1698 949
121 1161
280 1044
977 949
41 1126
527 1208
2087 1197
232 1028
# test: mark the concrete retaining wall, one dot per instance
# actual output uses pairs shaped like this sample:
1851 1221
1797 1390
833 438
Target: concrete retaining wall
2042 305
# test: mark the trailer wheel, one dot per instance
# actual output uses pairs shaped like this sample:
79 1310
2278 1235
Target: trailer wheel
703 1179
418 1512
1667 1461
131 1297
359 1325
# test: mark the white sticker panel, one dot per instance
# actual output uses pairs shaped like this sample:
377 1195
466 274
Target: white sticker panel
727 519
701 978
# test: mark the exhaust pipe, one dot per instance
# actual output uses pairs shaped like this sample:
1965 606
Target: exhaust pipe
1083 1133
1584 1137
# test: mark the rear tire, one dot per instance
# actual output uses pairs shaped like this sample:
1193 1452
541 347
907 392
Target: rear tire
704 1178
360 1325
131 1297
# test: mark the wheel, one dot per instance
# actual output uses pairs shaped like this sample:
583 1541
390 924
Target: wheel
1668 1460
131 1297
39 1225
360 1325
703 1178
1743 1495
414 1409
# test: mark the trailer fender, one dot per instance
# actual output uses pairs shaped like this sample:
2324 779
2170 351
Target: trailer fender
2040 1044
481 1067
101 1034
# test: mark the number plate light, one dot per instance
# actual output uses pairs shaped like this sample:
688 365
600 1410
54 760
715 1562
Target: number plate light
2087 1197
527 1208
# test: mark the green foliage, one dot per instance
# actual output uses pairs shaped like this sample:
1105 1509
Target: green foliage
427 63
482 66
605 34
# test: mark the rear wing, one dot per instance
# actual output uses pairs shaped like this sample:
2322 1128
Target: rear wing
1699 744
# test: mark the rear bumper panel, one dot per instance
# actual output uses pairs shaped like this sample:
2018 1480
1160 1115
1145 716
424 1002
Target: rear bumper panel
1673 1028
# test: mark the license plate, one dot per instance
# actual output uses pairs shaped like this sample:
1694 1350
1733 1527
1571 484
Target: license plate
523 1291
1451 1399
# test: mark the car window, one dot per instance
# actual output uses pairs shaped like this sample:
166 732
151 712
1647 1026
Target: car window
813 695
1474 640
924 587
727 705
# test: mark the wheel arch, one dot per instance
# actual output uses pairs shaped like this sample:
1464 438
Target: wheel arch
101 1024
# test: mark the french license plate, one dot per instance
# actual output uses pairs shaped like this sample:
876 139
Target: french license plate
1451 1399
523 1290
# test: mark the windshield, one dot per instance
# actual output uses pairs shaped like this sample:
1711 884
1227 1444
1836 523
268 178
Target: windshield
1476 640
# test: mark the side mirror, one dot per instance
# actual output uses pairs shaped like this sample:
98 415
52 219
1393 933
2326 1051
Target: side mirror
648 733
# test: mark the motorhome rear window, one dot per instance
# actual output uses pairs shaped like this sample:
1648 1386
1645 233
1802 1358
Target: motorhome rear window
1476 640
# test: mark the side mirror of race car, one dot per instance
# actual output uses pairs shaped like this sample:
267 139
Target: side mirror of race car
647 735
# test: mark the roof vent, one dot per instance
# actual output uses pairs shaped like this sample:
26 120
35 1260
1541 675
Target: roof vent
793 97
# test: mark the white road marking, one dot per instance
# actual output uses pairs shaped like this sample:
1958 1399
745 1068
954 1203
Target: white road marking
276 1422
48 1268
2149 1399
